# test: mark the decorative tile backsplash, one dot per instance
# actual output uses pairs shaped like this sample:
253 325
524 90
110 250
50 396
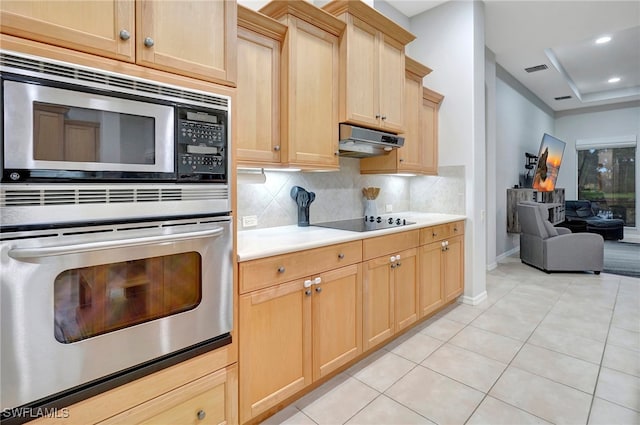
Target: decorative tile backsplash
339 194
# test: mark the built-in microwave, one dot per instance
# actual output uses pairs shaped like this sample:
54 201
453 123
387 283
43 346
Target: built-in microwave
66 123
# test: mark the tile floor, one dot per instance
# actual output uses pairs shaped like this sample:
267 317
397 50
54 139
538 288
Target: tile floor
559 348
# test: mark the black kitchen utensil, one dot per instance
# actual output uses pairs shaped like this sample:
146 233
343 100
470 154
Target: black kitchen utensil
303 200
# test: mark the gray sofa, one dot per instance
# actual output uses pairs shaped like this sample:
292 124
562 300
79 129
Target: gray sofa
552 248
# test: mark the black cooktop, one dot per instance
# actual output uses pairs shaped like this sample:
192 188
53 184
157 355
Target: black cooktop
365 224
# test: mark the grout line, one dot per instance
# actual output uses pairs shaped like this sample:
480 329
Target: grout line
604 350
511 361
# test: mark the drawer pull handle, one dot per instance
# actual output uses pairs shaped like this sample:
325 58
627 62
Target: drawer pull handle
455 229
281 269
317 281
341 256
201 414
392 259
435 234
308 283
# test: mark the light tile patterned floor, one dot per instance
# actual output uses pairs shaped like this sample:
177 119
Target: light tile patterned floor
560 348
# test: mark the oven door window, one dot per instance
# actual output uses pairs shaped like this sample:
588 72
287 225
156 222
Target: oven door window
91 301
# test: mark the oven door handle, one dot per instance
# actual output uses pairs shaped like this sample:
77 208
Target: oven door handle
50 251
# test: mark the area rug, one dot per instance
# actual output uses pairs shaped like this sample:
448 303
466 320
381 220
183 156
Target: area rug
622 258
631 239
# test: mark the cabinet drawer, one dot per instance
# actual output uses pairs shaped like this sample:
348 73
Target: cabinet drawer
440 232
383 245
257 274
208 400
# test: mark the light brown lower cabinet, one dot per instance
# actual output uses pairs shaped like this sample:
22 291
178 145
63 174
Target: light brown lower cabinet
441 277
453 268
390 295
295 333
209 400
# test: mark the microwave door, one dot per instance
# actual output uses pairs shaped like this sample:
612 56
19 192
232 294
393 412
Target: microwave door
51 128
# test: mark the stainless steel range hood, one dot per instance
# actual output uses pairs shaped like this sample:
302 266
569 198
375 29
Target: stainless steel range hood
359 142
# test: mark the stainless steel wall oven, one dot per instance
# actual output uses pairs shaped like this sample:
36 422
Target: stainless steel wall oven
115 230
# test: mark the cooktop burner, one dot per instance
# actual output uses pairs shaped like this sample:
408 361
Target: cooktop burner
365 224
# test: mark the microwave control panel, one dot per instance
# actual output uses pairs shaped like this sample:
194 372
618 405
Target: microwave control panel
202 145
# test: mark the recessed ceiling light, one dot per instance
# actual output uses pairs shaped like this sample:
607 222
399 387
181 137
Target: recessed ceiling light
603 40
613 80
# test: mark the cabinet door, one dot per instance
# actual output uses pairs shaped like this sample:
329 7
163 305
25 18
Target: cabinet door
312 100
81 141
258 99
275 346
88 26
392 71
430 278
430 136
378 302
453 266
362 103
410 156
48 132
405 289
208 400
196 39
337 319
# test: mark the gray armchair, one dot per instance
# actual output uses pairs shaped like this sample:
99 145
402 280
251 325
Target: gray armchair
552 248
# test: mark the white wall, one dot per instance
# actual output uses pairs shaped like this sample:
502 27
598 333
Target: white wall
593 123
520 123
392 13
490 123
450 40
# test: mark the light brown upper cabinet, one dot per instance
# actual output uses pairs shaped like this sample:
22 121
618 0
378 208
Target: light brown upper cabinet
372 66
258 94
412 156
309 85
196 39
104 28
149 33
431 101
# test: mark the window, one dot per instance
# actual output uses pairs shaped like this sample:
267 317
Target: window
607 176
91 301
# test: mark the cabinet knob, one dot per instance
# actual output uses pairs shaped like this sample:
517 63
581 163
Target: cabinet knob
455 229
398 264
307 292
384 117
341 256
308 283
317 281
124 34
377 116
393 266
281 269
435 234
392 259
401 159
148 41
276 148
201 414
318 289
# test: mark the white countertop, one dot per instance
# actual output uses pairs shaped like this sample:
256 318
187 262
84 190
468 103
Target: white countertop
260 243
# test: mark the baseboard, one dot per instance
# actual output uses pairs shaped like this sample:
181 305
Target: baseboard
494 265
473 300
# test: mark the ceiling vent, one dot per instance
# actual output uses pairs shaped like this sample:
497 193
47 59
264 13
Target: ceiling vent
536 68
562 98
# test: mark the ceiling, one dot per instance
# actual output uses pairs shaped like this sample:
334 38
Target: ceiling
562 35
